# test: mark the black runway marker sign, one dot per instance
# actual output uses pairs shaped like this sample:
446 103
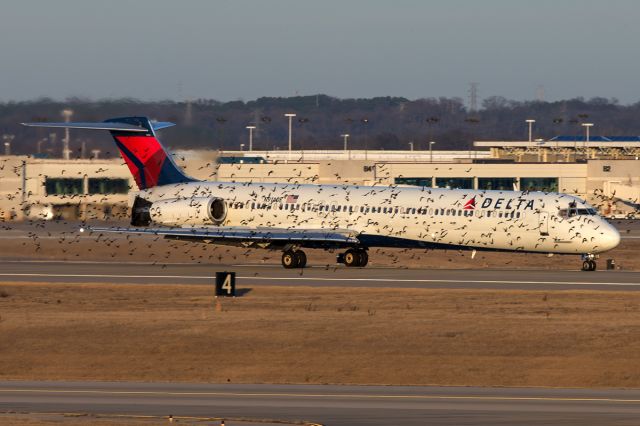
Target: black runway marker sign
226 284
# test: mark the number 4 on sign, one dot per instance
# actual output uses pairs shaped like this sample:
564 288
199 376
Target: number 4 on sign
226 284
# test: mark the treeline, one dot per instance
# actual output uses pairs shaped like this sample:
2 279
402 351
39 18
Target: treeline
375 123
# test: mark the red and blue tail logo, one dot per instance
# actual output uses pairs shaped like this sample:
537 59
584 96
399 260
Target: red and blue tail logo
148 161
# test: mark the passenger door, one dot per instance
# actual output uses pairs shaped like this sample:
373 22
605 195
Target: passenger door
543 218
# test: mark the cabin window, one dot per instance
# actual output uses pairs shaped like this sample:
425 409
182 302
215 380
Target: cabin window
253 205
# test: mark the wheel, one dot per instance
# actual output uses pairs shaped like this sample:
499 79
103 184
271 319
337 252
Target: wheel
586 265
352 258
301 258
289 259
364 258
593 265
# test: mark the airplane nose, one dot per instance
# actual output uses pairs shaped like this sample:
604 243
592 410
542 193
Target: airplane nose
610 238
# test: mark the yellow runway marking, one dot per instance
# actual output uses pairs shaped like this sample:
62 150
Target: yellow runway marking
312 395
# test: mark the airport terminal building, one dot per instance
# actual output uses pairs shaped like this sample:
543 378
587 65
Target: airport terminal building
605 172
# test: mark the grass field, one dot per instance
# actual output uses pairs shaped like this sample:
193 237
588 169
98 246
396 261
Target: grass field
39 419
319 335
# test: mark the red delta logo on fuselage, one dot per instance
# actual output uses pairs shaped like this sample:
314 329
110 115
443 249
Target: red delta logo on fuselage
501 203
470 205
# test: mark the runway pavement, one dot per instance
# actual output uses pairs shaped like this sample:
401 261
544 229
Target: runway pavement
332 405
334 276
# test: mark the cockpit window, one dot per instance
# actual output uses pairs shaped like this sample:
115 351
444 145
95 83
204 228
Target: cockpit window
571 212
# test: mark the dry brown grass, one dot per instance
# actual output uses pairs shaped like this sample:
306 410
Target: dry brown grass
320 335
40 419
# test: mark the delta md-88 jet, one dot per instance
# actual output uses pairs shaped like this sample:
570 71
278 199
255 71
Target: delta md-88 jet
352 219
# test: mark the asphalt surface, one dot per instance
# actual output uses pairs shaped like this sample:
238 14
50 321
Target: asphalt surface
333 405
248 276
330 405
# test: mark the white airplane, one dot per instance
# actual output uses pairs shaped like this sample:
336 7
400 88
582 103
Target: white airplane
290 217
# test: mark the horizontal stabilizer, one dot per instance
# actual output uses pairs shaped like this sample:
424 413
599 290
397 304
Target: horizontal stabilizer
112 126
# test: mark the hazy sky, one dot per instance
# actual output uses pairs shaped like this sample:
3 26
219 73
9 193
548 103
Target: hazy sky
241 49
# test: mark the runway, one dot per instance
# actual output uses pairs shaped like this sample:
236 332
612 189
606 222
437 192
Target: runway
332 405
320 276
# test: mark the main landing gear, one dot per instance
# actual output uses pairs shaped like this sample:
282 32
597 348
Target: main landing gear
589 262
294 259
354 257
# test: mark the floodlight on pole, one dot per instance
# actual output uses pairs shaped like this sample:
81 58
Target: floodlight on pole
241 147
530 122
411 145
586 126
431 151
251 137
290 116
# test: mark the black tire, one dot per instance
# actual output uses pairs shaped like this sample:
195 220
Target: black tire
593 265
352 258
586 265
364 258
289 259
301 258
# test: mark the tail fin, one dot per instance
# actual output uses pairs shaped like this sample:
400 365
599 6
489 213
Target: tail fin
149 162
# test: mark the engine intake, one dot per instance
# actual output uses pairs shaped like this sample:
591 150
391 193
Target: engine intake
192 211
140 212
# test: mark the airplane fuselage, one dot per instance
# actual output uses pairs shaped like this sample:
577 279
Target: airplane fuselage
400 216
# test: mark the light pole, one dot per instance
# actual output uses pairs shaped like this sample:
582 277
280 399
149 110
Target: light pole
7 143
290 116
251 137
66 113
411 145
40 142
431 151
530 122
586 126
345 136
241 147
365 122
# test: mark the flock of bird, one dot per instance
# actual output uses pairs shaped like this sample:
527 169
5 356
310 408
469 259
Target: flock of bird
339 193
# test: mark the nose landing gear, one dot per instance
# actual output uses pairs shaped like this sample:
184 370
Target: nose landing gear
589 262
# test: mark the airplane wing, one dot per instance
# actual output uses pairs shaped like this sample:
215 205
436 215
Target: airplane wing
266 237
